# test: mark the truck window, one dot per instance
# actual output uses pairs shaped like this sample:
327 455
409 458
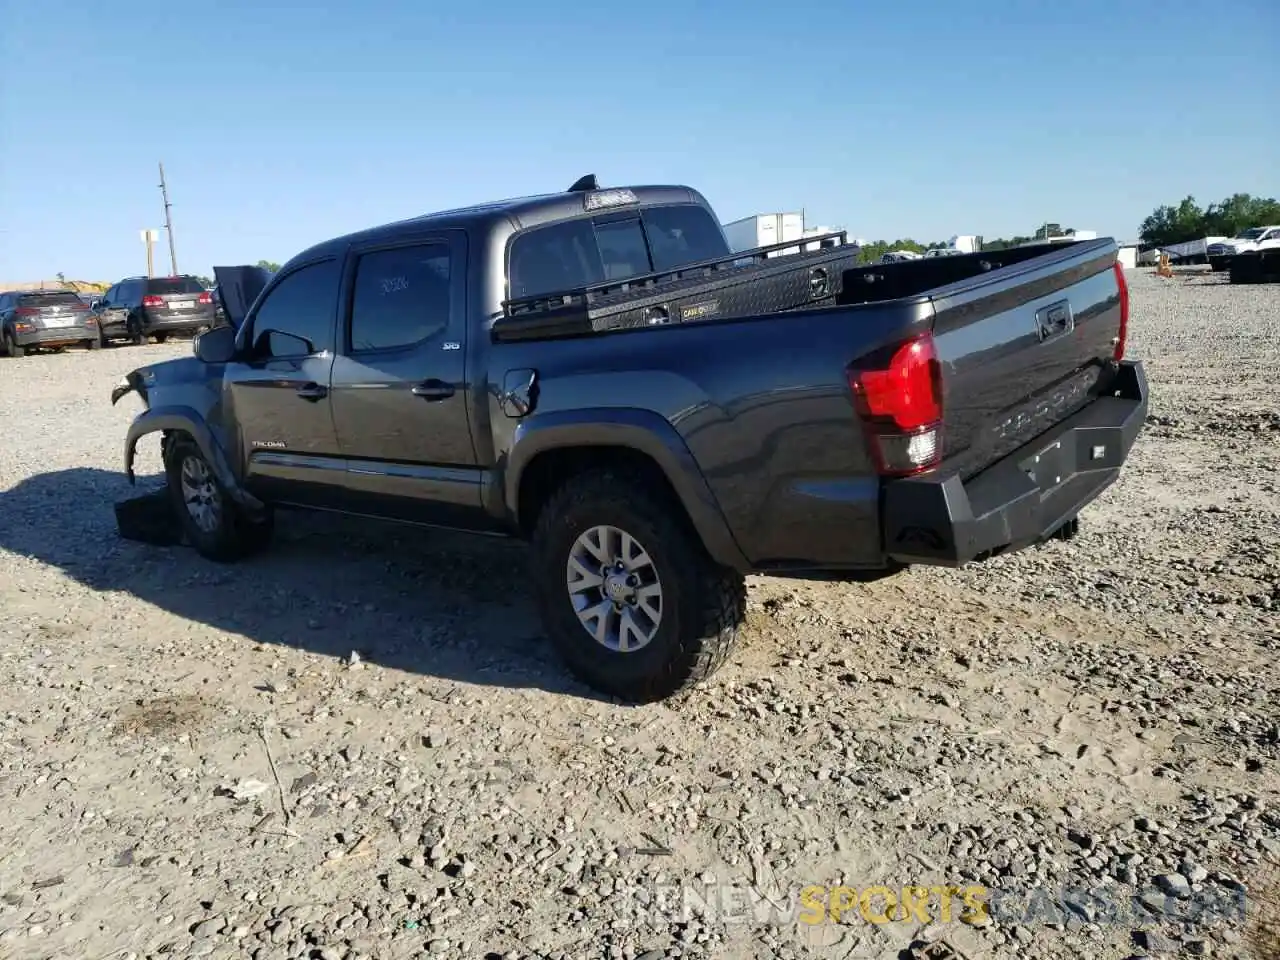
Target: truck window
299 308
401 297
622 249
682 234
556 257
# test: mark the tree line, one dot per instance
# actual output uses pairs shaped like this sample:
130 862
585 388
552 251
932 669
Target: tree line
1167 225
1187 221
873 251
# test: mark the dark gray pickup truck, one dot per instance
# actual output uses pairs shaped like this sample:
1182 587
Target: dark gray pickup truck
437 371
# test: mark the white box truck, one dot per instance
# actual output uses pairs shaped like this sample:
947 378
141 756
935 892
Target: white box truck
764 229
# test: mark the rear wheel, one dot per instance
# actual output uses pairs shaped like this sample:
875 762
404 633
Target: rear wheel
134 330
627 593
212 522
94 343
161 337
11 346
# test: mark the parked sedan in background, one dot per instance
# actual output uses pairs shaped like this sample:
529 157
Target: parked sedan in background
45 319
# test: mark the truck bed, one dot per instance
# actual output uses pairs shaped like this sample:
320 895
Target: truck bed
1023 340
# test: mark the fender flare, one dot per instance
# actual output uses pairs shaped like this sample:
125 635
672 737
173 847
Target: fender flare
187 420
643 431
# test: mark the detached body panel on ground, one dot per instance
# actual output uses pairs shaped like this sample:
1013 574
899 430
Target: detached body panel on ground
446 371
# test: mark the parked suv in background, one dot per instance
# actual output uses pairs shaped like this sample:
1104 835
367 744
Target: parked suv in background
141 307
45 319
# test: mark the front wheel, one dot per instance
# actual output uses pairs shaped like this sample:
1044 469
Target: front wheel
628 595
211 521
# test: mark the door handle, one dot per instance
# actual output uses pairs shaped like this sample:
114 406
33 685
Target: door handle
433 390
312 391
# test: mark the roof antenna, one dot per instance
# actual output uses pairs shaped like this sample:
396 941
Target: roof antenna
582 184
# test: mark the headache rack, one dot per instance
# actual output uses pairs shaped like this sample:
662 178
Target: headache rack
760 280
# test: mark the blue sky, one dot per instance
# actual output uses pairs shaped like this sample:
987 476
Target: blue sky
281 125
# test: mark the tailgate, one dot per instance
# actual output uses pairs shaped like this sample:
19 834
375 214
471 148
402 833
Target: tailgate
175 298
1023 348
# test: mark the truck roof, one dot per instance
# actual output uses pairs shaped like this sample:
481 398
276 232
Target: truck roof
516 213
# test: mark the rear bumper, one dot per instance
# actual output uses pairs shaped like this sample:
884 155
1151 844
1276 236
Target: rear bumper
191 323
35 336
1024 498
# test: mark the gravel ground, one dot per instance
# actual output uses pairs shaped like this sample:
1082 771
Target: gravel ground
348 748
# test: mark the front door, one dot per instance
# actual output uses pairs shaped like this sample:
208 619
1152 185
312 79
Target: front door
399 383
279 391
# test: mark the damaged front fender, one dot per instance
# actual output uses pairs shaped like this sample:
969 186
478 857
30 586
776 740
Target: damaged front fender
128 384
182 397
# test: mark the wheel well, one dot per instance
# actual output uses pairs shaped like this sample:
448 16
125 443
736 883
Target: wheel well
549 470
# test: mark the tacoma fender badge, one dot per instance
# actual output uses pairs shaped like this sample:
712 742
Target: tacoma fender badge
267 444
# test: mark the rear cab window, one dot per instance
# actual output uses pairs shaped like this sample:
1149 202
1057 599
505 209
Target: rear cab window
611 247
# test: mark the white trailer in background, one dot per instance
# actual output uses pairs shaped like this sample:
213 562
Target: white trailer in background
763 230
960 243
766 229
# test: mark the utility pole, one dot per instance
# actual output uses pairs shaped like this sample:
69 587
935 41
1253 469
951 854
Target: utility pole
168 225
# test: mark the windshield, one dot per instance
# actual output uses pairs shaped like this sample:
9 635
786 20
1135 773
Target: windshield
1253 233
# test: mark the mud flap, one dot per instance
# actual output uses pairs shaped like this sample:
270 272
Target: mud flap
149 518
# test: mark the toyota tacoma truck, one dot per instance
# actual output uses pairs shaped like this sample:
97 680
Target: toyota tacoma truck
454 370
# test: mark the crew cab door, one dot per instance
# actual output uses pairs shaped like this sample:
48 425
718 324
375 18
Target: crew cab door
278 388
399 381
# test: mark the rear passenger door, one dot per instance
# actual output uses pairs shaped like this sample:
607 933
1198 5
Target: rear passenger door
399 382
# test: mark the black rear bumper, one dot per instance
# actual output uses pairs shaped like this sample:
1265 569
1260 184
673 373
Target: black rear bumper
1024 498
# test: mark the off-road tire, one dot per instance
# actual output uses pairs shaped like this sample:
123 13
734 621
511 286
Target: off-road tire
237 535
703 603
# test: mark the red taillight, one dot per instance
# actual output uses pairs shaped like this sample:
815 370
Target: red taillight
1123 336
153 301
898 395
206 297
25 312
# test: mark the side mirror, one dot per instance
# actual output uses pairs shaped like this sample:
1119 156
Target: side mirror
217 345
274 343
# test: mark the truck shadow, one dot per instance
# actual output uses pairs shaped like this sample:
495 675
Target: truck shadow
423 601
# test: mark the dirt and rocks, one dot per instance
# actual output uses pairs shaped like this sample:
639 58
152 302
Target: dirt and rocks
356 746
